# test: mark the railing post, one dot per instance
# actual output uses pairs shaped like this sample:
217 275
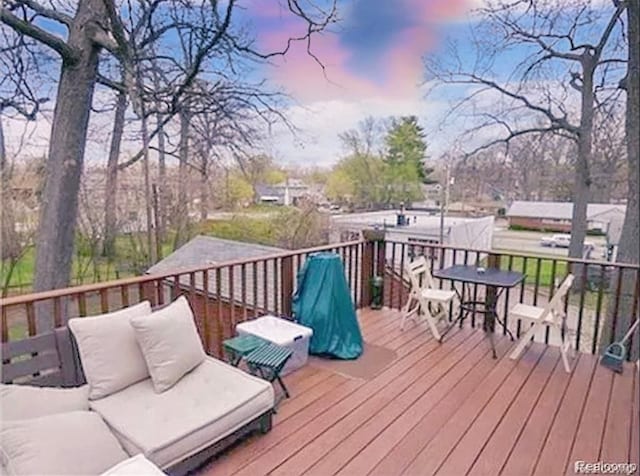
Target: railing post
372 251
286 286
367 273
491 296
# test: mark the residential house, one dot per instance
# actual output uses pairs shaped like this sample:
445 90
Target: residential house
286 193
556 216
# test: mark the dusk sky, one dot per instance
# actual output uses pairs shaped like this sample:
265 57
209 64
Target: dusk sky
373 62
373 58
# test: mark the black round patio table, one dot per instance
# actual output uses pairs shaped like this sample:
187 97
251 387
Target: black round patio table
496 281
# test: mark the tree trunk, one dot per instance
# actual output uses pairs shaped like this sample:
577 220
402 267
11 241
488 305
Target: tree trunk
3 151
163 197
182 208
582 185
111 187
7 221
204 189
629 246
147 189
58 213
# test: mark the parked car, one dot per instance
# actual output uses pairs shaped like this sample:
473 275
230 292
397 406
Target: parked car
556 241
562 241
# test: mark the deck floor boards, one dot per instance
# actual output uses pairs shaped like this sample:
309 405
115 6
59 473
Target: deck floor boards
402 441
446 409
499 445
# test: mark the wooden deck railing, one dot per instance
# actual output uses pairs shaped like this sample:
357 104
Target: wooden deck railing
222 295
604 299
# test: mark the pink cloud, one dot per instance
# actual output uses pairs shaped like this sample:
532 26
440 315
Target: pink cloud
398 69
303 76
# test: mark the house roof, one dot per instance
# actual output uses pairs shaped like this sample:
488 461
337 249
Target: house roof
258 280
614 230
278 191
560 210
292 184
267 191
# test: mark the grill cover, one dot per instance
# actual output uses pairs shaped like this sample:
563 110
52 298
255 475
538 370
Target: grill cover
323 303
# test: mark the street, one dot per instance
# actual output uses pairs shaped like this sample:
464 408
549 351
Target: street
529 242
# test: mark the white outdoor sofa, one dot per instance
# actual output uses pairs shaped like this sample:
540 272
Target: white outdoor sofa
176 429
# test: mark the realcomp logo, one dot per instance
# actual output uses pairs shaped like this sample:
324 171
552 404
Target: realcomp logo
602 467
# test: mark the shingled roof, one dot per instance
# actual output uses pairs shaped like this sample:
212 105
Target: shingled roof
260 287
558 210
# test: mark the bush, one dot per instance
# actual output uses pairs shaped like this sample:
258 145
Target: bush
242 228
522 228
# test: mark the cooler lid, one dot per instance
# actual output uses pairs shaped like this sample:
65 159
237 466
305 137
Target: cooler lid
277 330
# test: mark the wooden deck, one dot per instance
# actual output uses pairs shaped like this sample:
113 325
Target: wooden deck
447 409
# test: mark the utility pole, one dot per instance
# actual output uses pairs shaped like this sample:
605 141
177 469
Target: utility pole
444 201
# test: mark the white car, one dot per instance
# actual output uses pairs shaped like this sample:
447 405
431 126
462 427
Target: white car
562 241
556 241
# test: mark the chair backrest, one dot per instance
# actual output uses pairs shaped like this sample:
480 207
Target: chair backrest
419 274
48 360
555 305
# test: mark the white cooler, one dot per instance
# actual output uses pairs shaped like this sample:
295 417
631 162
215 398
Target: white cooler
284 333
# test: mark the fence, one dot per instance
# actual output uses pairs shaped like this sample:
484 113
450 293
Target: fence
604 300
221 295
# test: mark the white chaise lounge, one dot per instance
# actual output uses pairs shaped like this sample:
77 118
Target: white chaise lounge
206 405
152 396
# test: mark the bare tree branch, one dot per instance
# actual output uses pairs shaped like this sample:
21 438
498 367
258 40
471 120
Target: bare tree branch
512 135
46 12
37 33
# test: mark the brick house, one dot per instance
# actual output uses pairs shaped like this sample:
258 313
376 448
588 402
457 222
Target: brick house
556 216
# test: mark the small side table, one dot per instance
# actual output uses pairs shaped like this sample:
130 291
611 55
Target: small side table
267 362
238 347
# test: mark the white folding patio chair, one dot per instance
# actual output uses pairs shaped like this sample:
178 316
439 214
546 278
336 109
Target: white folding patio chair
552 315
425 300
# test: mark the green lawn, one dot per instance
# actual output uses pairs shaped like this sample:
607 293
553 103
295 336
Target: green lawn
129 262
545 266
83 271
534 266
241 228
130 258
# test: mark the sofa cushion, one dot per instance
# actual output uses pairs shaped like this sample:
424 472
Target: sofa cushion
110 355
20 402
170 343
135 466
65 443
207 404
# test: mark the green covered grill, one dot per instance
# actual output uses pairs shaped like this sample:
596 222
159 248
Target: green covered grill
323 303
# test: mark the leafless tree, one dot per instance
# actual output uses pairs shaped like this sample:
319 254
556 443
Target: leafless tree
573 60
609 168
621 314
110 211
536 166
96 26
301 227
19 200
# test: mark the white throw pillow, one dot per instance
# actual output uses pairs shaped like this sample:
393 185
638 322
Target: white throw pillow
65 443
135 466
170 343
110 355
20 402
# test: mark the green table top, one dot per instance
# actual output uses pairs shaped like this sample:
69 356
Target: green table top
244 344
270 355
